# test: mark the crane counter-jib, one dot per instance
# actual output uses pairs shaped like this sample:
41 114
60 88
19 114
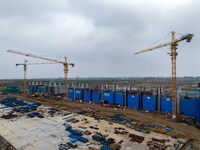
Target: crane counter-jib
186 36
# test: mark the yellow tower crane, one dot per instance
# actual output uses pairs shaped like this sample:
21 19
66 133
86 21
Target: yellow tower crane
65 64
25 70
173 54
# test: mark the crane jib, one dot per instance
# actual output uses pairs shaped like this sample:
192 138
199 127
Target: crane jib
186 37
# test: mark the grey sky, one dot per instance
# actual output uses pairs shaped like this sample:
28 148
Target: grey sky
99 36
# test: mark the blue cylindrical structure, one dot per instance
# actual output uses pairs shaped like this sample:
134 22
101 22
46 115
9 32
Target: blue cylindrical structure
71 93
109 96
198 108
79 94
31 89
166 105
96 96
133 100
149 102
190 107
87 95
119 98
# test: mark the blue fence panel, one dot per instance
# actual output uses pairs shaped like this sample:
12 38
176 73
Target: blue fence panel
166 105
109 96
119 98
133 101
96 97
149 103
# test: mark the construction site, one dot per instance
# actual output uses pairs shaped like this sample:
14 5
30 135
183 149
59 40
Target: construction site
79 75
105 114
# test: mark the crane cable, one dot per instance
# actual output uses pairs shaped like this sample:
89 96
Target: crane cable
162 39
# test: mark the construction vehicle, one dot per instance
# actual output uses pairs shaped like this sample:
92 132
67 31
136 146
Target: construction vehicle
65 64
36 94
174 43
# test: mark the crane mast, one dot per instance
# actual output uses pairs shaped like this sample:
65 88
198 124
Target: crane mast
173 55
65 64
174 86
25 69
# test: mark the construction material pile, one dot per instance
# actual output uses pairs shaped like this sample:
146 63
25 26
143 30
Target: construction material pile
16 105
19 105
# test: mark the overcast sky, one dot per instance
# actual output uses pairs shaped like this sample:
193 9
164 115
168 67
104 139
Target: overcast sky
99 36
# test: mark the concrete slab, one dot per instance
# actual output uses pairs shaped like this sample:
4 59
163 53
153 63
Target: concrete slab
45 134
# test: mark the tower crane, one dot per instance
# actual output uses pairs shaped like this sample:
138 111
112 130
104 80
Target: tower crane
173 43
65 64
25 69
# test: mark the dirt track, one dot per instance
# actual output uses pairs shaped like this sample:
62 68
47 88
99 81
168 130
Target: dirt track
178 129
